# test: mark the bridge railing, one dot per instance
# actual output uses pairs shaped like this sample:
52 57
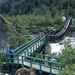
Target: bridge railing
48 57
31 47
35 61
34 47
22 47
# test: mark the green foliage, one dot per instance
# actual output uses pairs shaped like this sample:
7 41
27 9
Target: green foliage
39 56
68 70
68 60
33 72
16 41
48 49
35 23
34 16
1 61
68 55
14 7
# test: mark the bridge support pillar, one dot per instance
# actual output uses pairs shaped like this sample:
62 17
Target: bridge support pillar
43 51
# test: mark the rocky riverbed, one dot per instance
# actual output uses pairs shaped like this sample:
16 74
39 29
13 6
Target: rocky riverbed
59 46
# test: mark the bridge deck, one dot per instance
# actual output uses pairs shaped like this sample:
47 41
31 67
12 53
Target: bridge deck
42 64
37 67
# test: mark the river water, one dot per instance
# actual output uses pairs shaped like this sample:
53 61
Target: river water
58 47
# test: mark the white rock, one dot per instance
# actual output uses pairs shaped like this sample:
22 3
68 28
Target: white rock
63 18
58 47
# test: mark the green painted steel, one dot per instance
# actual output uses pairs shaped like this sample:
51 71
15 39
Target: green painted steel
35 46
33 42
33 60
28 50
26 44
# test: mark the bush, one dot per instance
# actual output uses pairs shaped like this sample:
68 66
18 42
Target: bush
68 70
68 60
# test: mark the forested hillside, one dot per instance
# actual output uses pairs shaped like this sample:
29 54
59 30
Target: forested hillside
14 7
41 15
35 16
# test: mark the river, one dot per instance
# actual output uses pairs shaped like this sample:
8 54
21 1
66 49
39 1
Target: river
58 47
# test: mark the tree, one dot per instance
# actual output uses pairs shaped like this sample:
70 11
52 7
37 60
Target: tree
48 49
68 60
1 61
14 7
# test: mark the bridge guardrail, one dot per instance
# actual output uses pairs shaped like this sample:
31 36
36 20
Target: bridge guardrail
33 43
29 50
35 46
41 63
23 48
25 44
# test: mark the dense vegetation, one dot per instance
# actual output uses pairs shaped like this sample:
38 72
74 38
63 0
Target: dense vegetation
33 24
41 15
14 7
68 60
35 16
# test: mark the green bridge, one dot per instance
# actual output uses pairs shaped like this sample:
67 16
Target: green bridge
26 56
